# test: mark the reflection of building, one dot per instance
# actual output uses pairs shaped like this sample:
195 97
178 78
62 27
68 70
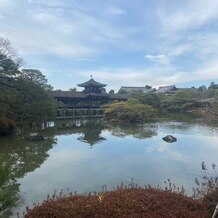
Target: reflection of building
85 103
92 135
168 90
89 130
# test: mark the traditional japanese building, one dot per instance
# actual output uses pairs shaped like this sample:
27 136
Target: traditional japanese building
86 103
167 90
135 89
92 86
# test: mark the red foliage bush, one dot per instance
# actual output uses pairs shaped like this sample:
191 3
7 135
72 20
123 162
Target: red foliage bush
6 126
122 202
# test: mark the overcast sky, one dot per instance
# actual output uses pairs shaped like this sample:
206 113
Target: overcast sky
119 42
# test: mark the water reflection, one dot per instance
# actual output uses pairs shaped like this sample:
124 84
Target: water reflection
137 151
89 131
22 156
140 131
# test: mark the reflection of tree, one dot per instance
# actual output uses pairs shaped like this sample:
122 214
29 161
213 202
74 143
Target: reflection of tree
9 196
91 130
140 131
22 156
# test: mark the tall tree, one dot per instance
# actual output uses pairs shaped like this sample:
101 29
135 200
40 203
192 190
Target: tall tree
24 95
36 76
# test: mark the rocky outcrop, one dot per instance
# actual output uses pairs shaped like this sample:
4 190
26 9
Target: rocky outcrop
169 139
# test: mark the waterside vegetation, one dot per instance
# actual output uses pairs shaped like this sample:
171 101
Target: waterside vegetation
144 106
130 111
24 93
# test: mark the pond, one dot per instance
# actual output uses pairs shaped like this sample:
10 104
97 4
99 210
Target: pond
84 155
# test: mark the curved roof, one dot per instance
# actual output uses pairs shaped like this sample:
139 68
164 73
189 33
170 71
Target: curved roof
91 82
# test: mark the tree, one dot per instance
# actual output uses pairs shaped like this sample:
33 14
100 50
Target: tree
7 49
9 70
35 76
148 87
35 103
183 100
23 94
202 88
73 89
111 91
130 111
213 86
122 91
8 73
152 99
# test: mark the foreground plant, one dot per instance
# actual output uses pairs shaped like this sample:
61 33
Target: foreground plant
123 201
207 190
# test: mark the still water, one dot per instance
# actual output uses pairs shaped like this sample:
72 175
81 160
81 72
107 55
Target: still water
84 155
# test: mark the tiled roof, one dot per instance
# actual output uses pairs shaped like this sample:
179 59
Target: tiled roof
91 82
134 88
69 94
164 89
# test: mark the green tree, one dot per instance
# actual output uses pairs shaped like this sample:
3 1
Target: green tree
35 103
152 99
8 73
72 89
111 91
130 111
23 94
184 100
122 91
202 88
213 86
36 76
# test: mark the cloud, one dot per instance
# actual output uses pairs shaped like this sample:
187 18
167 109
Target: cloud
173 51
191 14
152 76
178 40
47 3
115 11
3 2
169 151
158 58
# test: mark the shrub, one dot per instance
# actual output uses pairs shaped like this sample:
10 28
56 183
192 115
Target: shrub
130 201
207 190
130 111
7 126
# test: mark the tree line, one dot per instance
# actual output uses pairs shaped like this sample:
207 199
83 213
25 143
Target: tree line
143 106
25 94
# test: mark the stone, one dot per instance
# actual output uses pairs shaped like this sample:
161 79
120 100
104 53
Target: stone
35 137
169 139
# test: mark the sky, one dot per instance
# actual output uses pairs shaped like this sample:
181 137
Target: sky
118 42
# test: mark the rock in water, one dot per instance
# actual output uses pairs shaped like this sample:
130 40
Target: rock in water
169 139
35 137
